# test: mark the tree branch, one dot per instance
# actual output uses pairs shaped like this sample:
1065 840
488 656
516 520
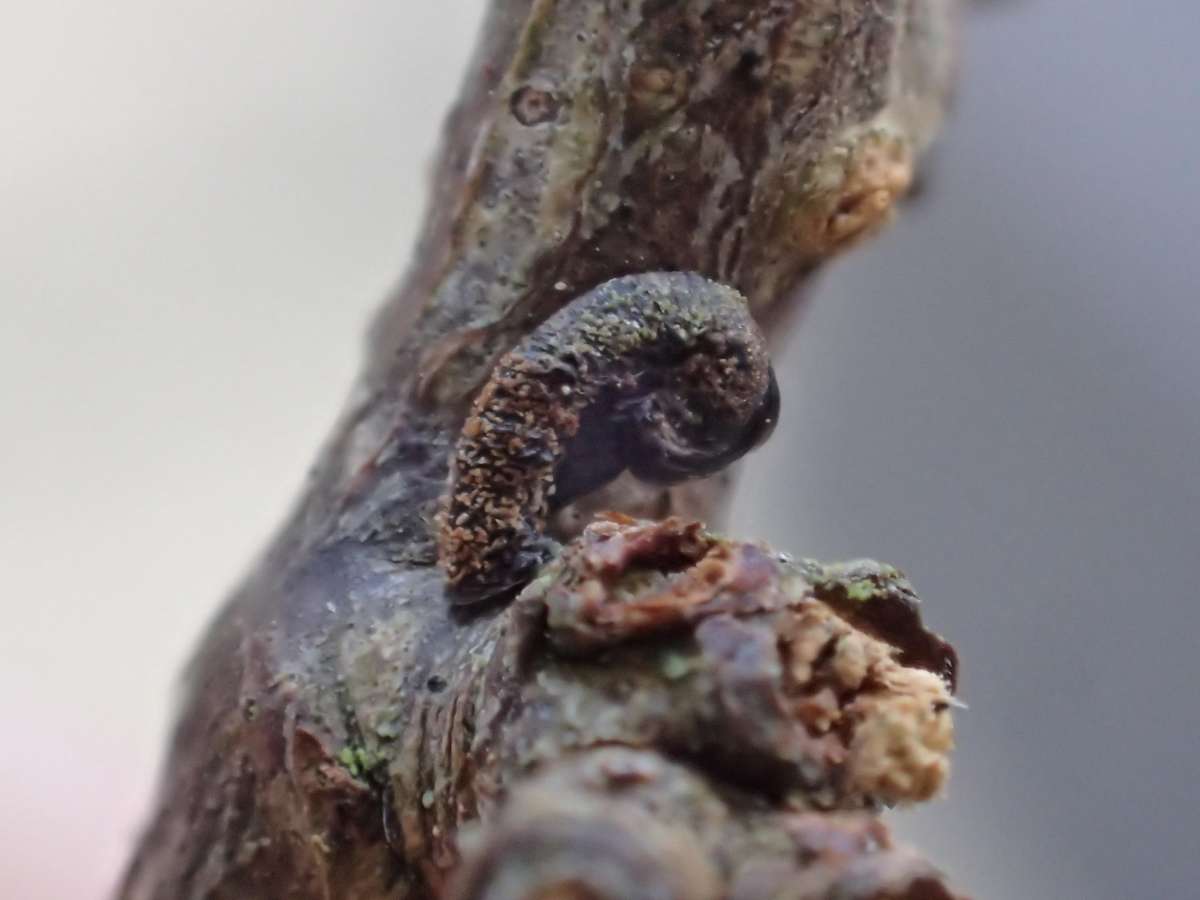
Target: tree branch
343 724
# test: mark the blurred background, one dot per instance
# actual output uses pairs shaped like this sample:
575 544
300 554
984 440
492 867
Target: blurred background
201 203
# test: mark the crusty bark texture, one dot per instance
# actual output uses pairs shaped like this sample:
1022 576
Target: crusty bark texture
663 712
663 374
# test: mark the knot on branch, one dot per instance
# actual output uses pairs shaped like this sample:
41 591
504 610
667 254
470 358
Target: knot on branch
620 824
810 683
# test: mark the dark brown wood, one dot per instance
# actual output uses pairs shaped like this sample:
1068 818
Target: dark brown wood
341 723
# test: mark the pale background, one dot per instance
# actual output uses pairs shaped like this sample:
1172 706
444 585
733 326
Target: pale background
201 203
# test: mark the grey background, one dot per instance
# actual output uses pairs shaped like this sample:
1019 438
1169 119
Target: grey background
201 203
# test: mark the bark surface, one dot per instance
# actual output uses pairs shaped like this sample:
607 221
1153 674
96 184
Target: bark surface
663 713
